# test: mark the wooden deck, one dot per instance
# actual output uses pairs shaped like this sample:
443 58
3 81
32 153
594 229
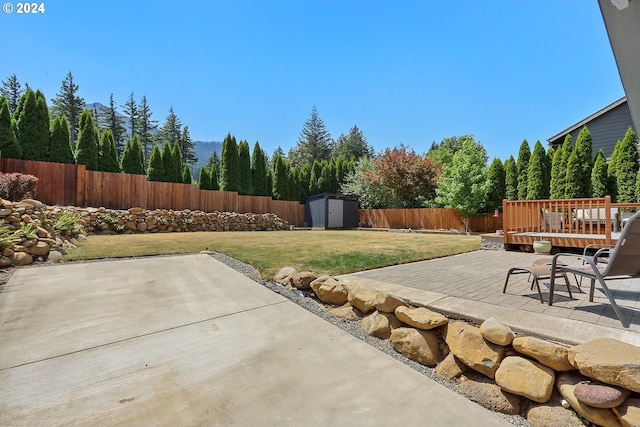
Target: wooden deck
569 223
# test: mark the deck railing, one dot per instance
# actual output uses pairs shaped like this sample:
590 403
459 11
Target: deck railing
572 218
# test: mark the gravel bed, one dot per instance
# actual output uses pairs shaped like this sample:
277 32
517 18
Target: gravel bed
308 301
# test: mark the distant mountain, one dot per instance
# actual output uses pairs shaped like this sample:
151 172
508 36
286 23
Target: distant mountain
204 150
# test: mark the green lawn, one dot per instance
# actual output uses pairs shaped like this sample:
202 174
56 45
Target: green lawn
323 252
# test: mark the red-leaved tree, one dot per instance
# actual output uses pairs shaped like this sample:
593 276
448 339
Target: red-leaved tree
410 177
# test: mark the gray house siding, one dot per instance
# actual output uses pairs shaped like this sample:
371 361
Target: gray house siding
607 128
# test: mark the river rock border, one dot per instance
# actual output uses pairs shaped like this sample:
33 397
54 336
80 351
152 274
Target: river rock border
32 231
549 383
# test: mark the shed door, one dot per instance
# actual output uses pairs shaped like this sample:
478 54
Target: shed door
336 219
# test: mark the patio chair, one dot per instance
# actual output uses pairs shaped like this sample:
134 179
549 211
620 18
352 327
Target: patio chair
622 261
536 271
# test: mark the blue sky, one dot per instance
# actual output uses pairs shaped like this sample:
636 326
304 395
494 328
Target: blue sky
410 72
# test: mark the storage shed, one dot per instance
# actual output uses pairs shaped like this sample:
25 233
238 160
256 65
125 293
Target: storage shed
331 211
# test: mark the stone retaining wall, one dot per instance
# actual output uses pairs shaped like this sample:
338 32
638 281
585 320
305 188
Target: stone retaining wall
32 231
539 379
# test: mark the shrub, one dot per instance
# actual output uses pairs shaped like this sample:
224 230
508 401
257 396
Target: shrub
17 186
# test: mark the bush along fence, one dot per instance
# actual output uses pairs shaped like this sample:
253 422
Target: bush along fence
32 231
544 381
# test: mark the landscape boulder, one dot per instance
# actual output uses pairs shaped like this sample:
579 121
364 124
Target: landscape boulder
284 275
566 384
379 324
486 393
417 345
600 395
549 354
496 332
363 298
526 378
468 345
388 303
629 412
421 318
330 290
302 280
450 368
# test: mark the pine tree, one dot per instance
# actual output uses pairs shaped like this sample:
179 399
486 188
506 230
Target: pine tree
187 147
497 185
60 142
555 190
33 127
130 109
259 171
511 178
627 168
131 161
353 146
584 150
214 165
109 154
314 143
9 146
87 149
70 106
171 130
145 129
523 169
113 121
12 91
186 175
599 177
244 169
537 174
204 180
155 170
229 164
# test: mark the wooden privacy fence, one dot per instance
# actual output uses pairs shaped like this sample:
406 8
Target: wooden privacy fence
65 184
427 219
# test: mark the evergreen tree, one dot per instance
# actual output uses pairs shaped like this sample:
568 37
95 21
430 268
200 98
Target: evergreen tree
33 127
497 189
131 161
188 147
523 169
573 184
214 174
171 130
60 142
132 114
333 176
567 149
155 170
280 179
186 175
638 186
599 176
511 179
114 122
87 149
612 172
176 156
258 171
167 162
353 146
538 184
557 175
145 129
627 168
584 150
324 182
9 146
244 169
109 154
12 91
314 178
214 160
229 164
70 106
204 180
314 143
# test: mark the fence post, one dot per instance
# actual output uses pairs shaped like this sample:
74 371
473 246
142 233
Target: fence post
80 185
607 218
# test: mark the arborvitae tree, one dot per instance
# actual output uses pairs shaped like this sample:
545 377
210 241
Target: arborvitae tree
229 164
155 170
612 172
270 174
353 146
244 169
187 147
19 109
557 175
573 185
599 178
324 182
70 106
497 185
130 109
638 186
523 169
113 121
214 174
333 176
131 161
214 160
280 179
9 146
314 143
146 126
33 128
109 153
511 178
186 175
167 162
176 155
204 180
316 172
12 91
304 177
627 168
87 149
567 149
259 171
537 175
584 150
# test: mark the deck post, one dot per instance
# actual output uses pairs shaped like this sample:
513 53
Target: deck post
505 223
607 218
